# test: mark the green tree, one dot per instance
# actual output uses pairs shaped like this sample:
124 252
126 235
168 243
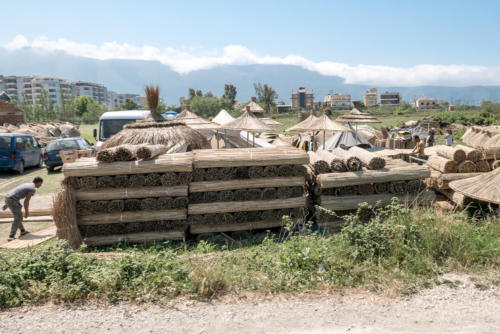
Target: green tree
206 107
266 95
87 109
229 93
199 93
129 105
191 93
209 94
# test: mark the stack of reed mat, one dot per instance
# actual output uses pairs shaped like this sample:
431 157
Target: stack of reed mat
340 160
454 163
344 192
246 189
137 201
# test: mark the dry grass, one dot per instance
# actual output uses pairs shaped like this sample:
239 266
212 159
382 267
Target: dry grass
64 214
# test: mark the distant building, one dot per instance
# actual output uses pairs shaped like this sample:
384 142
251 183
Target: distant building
115 100
338 101
390 98
97 92
283 108
303 99
370 98
451 107
425 103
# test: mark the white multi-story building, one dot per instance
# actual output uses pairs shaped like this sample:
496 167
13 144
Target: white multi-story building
97 92
56 89
115 100
390 98
425 103
370 98
338 100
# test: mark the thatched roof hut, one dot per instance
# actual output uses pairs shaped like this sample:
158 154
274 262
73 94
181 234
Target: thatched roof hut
194 121
304 125
170 133
248 122
253 107
356 116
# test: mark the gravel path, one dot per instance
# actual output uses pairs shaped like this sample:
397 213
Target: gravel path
442 309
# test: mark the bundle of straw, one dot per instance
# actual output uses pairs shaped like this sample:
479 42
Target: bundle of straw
64 214
150 151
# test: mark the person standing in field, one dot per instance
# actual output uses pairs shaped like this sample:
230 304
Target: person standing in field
449 138
26 191
430 140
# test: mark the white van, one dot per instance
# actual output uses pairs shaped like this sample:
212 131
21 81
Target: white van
112 122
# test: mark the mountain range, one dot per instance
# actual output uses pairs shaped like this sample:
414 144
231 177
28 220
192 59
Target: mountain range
130 76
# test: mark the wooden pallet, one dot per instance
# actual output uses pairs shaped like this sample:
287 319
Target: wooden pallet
31 239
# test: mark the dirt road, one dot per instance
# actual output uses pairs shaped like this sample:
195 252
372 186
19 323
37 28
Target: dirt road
442 309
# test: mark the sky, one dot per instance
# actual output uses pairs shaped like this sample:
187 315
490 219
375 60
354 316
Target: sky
381 42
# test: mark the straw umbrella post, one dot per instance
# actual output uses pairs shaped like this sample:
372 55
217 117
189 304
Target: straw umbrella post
356 116
248 122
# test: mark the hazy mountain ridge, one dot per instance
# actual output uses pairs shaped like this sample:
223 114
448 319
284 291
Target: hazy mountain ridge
130 76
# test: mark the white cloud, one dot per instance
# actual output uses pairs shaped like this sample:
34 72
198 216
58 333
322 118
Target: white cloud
184 62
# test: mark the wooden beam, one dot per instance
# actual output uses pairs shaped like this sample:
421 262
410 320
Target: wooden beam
142 237
33 212
217 228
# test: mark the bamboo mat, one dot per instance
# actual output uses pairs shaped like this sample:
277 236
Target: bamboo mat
31 239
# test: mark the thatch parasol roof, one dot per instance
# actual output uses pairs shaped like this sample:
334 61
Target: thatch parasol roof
485 187
270 121
356 116
168 133
324 123
248 122
254 107
196 122
304 125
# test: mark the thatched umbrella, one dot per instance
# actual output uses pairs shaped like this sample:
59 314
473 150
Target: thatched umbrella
324 123
248 122
153 98
194 121
356 116
485 187
254 107
304 125
175 135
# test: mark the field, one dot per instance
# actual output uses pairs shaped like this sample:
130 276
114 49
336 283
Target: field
86 131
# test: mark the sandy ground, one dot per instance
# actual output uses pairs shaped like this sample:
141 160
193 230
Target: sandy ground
462 308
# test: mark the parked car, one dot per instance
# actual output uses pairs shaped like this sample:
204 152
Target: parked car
18 151
51 155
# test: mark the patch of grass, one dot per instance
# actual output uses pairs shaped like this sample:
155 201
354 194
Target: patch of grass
398 249
86 131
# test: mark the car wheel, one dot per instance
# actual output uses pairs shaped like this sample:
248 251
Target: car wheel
50 169
20 168
40 162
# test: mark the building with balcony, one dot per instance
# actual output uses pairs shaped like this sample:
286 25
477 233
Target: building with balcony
338 101
425 103
97 92
390 99
115 100
370 98
302 99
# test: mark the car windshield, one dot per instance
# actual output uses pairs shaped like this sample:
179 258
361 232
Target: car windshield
62 145
109 127
5 143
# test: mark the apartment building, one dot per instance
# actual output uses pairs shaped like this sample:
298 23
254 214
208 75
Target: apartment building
370 98
56 89
425 103
338 101
97 92
115 100
302 99
390 99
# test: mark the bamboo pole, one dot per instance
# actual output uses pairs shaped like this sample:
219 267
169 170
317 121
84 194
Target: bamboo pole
204 186
124 193
344 203
236 206
142 237
132 217
179 162
333 180
30 219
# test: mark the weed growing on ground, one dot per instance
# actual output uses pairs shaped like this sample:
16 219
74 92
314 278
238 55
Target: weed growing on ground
399 248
